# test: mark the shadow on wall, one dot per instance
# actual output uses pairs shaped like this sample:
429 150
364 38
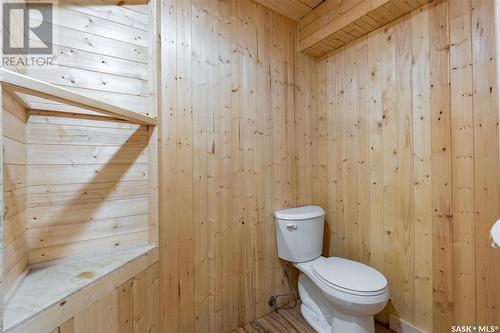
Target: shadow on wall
109 176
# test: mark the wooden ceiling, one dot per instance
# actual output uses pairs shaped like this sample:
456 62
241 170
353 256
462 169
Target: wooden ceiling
294 9
326 25
337 22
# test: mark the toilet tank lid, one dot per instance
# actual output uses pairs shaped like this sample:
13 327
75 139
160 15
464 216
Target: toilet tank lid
299 213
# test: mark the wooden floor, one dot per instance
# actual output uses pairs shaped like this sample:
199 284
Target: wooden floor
287 321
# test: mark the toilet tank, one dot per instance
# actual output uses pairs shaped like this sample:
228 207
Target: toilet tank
299 233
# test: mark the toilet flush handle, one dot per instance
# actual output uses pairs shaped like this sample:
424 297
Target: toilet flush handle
291 226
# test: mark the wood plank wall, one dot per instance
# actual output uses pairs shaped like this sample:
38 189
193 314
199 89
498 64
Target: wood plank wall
132 307
88 177
88 186
102 52
15 250
227 160
404 156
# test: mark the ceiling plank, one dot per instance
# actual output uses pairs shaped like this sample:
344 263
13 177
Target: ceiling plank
320 30
341 21
312 3
293 9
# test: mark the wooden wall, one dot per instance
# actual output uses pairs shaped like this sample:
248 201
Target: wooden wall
404 151
88 186
86 180
395 135
102 52
88 177
15 250
132 307
227 160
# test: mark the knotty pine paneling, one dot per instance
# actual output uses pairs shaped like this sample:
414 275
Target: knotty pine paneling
399 143
87 188
89 177
78 184
227 160
486 161
102 52
14 249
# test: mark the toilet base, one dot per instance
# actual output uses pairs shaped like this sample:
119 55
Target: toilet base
323 318
338 324
319 323
342 322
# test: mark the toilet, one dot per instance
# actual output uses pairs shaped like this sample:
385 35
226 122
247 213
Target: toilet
338 295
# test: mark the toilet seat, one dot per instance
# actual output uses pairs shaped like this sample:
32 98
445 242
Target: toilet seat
343 276
350 276
351 292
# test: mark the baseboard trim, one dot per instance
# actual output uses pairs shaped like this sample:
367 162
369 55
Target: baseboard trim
401 326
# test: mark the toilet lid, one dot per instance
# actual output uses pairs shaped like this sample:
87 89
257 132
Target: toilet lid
348 274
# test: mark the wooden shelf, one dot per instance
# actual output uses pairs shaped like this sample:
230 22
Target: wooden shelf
15 82
49 294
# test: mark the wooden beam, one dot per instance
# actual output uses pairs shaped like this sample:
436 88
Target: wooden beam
321 31
335 23
312 3
24 84
293 9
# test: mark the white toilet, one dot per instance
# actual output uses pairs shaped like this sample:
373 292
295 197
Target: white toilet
338 295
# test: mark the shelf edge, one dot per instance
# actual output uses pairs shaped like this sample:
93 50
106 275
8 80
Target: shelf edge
16 82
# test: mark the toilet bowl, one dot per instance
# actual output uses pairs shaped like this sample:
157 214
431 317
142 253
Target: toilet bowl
338 295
